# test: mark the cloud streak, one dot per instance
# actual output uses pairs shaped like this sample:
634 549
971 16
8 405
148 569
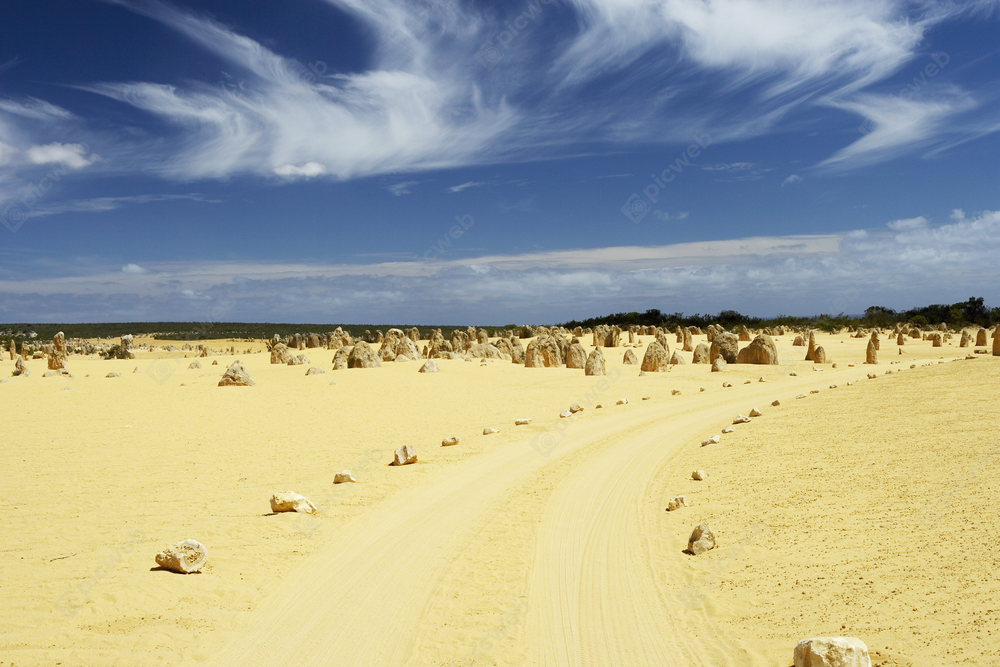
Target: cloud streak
807 274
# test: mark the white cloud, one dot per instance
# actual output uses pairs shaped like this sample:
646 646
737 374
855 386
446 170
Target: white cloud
957 214
69 155
463 186
908 224
134 269
735 166
794 178
400 189
425 102
100 204
7 154
666 216
805 274
308 170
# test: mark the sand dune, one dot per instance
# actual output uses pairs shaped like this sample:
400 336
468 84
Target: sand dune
851 511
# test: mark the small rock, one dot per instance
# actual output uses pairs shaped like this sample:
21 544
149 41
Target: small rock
315 371
288 501
676 503
194 365
66 389
775 403
215 363
430 366
754 412
699 475
747 382
832 652
645 398
565 413
814 391
727 384
521 422
714 440
622 401
236 376
113 375
488 430
598 406
185 557
675 392
729 429
833 386
741 419
702 539
404 455
793 374
343 476
448 442
576 407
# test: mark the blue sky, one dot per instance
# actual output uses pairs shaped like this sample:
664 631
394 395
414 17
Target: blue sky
491 163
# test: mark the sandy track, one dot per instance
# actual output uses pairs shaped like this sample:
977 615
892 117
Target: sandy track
592 596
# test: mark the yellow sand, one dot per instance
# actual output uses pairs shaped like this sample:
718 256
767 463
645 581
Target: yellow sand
863 511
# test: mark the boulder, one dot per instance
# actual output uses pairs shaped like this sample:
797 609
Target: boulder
819 355
543 352
900 338
429 366
719 365
812 346
194 366
963 342
57 357
981 338
702 539
676 359
996 342
761 350
280 354
725 345
185 557
404 455
236 376
687 341
20 368
936 339
702 354
126 345
289 501
595 363
340 358
315 371
363 356
798 342
874 338
576 356
343 477
517 356
655 360
298 360
871 356
630 359
676 502
832 652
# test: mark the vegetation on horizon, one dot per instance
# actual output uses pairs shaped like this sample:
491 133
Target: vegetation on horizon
955 316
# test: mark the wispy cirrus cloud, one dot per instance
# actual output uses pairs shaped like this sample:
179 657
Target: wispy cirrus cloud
424 102
400 189
465 186
100 204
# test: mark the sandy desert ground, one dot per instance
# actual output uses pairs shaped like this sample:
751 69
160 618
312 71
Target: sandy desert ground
865 510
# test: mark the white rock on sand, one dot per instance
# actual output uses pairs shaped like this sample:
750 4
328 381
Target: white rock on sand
702 539
521 422
185 557
832 652
343 476
488 431
404 456
448 442
289 501
714 440
699 475
676 503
